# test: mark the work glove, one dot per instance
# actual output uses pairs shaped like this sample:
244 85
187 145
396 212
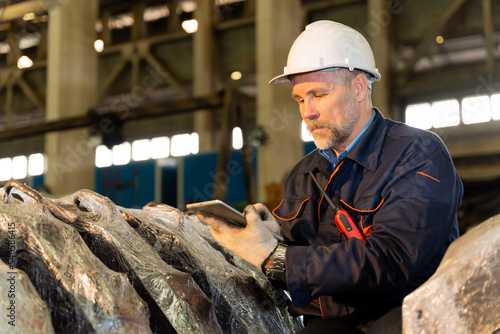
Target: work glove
269 221
254 243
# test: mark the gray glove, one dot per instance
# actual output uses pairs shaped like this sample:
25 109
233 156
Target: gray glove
253 243
269 221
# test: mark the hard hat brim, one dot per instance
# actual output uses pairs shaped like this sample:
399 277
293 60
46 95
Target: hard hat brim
280 79
288 76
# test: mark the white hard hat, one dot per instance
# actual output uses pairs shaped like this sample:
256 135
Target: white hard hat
326 44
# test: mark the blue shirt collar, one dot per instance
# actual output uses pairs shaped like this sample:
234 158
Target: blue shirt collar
330 154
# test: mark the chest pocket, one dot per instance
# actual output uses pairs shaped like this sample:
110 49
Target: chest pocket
290 209
363 212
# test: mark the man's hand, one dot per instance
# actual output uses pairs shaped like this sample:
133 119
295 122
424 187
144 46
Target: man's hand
254 242
269 221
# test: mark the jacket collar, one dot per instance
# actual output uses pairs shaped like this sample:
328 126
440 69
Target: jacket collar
365 153
317 161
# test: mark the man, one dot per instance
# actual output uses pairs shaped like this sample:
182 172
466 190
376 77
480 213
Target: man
397 183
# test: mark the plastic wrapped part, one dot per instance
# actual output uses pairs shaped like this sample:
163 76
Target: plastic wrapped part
176 302
204 231
241 307
82 294
23 311
15 192
265 308
294 324
463 295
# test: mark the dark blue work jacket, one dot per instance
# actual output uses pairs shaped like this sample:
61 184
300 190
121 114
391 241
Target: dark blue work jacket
400 186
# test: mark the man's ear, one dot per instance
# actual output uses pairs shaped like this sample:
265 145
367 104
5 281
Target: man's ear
359 85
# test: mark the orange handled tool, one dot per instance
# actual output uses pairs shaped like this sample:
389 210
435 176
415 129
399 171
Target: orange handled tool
343 220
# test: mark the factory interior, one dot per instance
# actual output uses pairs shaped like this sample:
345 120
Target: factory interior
169 101
139 108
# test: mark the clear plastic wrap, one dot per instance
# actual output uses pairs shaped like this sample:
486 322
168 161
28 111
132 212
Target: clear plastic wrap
66 246
241 306
463 295
194 231
83 295
23 311
176 302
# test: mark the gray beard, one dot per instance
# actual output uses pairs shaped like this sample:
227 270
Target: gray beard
334 138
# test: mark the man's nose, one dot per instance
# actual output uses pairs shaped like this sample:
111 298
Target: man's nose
309 110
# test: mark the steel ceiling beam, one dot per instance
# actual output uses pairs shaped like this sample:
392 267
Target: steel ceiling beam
149 110
488 35
423 47
17 11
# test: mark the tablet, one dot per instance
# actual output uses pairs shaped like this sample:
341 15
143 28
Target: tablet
220 209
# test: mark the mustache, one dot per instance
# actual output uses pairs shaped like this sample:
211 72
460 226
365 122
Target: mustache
316 123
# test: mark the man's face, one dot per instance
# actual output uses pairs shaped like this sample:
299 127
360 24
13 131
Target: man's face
327 106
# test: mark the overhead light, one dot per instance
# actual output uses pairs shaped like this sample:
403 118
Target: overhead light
99 45
4 48
24 62
155 13
29 41
188 6
98 25
121 21
236 75
439 39
28 16
190 26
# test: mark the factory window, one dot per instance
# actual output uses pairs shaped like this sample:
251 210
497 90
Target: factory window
103 156
184 144
145 149
195 143
121 154
419 115
237 138
5 169
160 147
306 134
476 109
36 164
445 113
438 114
141 150
19 167
495 107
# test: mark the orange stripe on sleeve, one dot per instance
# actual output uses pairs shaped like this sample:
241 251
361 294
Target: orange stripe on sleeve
428 176
321 308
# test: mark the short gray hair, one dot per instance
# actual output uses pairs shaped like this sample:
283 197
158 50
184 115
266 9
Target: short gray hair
345 75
